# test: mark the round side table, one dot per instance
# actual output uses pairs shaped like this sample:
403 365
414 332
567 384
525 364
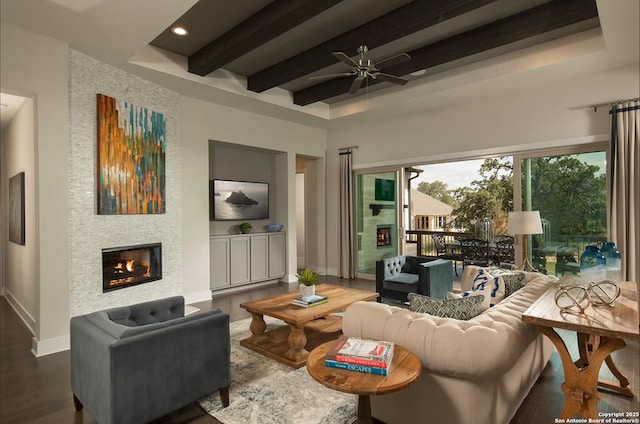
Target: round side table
405 370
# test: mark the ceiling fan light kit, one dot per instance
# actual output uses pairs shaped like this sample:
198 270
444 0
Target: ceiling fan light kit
365 68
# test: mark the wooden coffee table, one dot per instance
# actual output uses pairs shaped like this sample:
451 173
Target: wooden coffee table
307 327
405 370
600 331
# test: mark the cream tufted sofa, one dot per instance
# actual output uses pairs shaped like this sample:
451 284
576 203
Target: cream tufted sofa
476 371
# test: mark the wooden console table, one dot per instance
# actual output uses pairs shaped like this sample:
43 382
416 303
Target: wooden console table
600 330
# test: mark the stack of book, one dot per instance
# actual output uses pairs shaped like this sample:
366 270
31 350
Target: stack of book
362 355
309 301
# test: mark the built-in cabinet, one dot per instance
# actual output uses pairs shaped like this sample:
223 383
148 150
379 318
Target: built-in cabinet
244 259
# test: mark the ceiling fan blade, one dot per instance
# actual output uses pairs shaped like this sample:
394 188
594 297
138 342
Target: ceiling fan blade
344 58
342 74
390 78
355 85
394 60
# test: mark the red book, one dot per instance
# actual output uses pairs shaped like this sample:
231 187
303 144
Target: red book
359 351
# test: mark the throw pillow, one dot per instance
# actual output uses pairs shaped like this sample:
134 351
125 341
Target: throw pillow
484 279
484 292
462 309
513 280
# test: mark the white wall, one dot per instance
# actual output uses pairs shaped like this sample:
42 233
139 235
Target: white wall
37 67
18 155
535 117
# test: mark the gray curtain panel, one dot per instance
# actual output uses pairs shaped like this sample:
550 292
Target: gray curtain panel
625 185
347 268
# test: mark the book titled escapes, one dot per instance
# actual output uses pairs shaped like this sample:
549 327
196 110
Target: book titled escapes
363 355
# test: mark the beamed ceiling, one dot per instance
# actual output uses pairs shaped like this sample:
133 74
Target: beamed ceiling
284 43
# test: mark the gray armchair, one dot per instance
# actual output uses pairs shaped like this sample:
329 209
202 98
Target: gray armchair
136 363
399 275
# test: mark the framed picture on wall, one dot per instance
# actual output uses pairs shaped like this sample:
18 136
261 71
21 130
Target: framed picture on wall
16 208
238 200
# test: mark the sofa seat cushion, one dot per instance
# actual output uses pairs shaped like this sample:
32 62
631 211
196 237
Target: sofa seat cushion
487 345
461 308
402 282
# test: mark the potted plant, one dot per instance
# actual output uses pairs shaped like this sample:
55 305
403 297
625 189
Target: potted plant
245 228
307 280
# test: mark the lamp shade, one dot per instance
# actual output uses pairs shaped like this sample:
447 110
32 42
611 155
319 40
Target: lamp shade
524 222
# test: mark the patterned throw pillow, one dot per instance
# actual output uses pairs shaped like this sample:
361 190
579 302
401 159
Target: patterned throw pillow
484 293
513 280
484 279
462 309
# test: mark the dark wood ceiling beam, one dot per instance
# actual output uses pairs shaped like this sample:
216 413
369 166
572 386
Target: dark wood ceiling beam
266 24
405 20
535 21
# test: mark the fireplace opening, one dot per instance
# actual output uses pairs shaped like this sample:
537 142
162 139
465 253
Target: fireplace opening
131 265
383 236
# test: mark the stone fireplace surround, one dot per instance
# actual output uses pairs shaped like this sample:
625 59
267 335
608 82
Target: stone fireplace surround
89 232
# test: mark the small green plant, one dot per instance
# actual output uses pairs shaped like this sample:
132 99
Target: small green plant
308 277
245 226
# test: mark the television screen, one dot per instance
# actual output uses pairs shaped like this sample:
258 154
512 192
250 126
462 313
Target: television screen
239 200
385 189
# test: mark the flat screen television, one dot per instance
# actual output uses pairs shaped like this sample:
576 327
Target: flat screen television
232 200
385 190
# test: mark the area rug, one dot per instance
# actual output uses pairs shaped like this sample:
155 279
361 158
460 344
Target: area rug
264 391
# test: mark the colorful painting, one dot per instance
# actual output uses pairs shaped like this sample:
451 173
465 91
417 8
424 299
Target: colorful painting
16 208
131 159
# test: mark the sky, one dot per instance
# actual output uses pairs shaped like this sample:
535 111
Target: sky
454 174
461 174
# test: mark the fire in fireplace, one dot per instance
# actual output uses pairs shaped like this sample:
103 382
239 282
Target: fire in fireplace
383 236
128 266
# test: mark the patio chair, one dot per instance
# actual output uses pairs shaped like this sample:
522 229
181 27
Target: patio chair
505 252
475 252
443 253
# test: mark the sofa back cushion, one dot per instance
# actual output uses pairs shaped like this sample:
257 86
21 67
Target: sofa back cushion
394 266
148 312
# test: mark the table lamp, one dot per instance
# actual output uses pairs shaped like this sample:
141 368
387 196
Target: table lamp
525 223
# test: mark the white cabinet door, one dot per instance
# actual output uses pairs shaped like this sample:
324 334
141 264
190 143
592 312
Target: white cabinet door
277 255
240 259
219 262
259 257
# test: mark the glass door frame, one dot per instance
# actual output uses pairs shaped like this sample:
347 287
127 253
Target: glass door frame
399 171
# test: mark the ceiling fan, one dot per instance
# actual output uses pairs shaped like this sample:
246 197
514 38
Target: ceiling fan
365 68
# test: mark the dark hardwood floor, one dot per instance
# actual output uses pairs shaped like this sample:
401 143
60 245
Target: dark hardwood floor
37 390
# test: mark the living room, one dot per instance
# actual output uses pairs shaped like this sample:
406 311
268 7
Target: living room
521 101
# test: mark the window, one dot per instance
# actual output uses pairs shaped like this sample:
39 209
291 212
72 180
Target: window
569 188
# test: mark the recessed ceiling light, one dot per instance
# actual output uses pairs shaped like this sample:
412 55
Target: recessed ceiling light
178 30
418 73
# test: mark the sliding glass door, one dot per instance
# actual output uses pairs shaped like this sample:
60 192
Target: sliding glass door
378 224
569 188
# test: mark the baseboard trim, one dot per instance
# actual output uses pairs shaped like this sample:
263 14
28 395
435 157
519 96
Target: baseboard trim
24 315
49 346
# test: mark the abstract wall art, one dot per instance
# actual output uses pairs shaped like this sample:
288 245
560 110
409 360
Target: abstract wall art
16 208
131 158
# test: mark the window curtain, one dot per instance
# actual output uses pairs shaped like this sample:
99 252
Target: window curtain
625 185
347 268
